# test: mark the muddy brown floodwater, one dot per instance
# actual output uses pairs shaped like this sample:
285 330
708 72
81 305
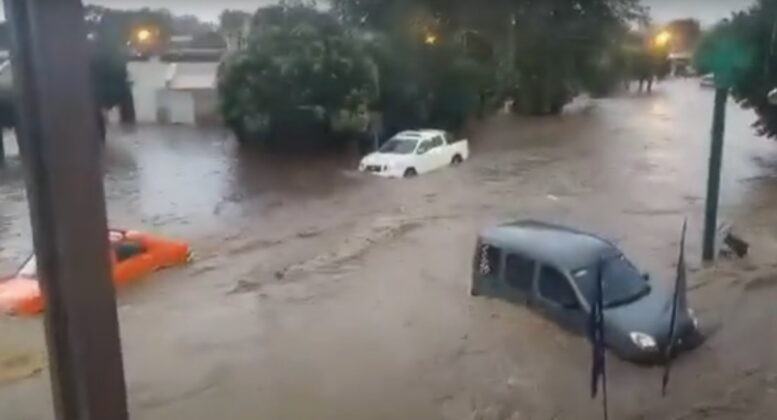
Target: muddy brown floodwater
320 293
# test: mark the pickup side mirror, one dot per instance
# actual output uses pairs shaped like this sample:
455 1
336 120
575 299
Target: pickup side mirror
646 277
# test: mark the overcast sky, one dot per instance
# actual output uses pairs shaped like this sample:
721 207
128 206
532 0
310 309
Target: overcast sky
708 11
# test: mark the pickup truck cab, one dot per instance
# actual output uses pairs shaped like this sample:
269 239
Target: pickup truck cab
412 153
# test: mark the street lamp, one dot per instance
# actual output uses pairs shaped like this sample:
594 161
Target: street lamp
144 35
431 39
662 39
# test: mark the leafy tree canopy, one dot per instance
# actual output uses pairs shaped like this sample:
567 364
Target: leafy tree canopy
233 20
742 54
547 48
115 27
686 34
297 58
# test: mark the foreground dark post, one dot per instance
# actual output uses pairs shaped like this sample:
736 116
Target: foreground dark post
60 151
713 180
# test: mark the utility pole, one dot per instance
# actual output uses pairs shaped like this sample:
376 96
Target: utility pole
2 148
60 148
713 179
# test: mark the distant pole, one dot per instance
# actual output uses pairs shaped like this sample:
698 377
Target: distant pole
127 109
59 143
2 148
713 180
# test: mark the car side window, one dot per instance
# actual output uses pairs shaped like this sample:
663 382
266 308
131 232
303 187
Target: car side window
555 287
424 147
489 260
437 142
519 272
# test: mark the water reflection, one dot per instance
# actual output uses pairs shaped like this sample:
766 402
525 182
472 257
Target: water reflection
199 176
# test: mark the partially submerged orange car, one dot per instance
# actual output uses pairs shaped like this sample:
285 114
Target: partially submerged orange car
134 255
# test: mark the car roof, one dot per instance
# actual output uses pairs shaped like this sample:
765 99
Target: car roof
419 134
557 245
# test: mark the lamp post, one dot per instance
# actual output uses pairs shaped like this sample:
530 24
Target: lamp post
727 57
713 179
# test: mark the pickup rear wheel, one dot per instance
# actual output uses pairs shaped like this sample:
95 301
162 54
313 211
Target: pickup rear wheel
411 173
457 160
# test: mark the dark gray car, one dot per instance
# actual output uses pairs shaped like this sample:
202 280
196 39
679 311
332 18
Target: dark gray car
553 270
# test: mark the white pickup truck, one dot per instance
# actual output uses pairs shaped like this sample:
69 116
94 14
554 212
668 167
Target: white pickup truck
411 153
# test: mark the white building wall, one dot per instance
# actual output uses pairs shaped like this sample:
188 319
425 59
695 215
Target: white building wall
176 107
147 77
178 93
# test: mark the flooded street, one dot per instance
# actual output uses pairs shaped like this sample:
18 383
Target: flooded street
320 293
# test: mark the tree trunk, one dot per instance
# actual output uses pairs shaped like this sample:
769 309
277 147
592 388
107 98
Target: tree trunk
127 109
101 125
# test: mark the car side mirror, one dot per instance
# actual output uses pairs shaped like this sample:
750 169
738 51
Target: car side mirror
646 277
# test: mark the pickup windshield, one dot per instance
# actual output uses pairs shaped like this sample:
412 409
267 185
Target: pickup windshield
399 146
622 283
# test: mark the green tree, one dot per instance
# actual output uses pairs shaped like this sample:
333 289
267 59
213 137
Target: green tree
436 84
109 78
189 25
433 71
741 52
548 48
233 21
686 34
301 69
116 28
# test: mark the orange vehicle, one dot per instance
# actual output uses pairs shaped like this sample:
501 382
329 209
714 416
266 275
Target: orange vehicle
133 256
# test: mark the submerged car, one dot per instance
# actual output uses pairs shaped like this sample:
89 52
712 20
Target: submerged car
411 153
133 256
554 269
707 81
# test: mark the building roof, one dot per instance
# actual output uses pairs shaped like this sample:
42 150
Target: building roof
681 55
552 244
192 76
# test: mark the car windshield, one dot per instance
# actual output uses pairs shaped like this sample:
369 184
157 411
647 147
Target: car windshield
622 283
399 146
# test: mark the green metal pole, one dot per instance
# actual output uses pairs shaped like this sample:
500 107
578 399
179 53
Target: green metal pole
713 180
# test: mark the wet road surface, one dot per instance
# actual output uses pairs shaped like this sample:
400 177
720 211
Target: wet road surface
319 293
